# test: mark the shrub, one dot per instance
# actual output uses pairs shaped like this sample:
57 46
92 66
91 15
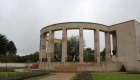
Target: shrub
133 72
123 69
83 76
21 75
6 70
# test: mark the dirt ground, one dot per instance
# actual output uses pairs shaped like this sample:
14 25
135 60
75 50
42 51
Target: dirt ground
60 76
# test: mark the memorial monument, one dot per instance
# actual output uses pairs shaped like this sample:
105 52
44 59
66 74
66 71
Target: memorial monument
125 41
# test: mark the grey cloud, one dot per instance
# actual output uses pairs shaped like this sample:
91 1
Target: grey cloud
21 20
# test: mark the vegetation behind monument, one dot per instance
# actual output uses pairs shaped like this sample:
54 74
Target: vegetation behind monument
6 46
73 50
8 52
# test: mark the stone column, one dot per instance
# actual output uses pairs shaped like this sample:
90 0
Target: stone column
51 45
81 44
47 46
43 47
40 50
107 46
64 44
97 45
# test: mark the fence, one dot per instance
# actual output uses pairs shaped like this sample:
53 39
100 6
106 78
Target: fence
16 65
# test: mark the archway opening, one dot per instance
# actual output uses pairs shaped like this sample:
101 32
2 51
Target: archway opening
72 45
114 43
111 44
57 46
89 45
102 46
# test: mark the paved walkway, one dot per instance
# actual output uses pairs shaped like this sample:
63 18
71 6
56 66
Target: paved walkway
59 76
19 70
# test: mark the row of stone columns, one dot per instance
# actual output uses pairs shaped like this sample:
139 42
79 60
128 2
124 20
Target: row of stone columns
50 51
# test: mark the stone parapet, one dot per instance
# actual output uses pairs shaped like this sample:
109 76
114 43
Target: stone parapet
84 66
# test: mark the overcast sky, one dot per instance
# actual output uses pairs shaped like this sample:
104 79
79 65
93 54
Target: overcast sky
21 20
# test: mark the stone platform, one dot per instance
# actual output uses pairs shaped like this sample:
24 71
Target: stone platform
80 66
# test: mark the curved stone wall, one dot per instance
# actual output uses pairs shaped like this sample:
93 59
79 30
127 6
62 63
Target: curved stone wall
73 25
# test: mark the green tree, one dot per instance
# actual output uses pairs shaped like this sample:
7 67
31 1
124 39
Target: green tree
72 47
12 58
36 56
19 58
11 48
102 55
24 58
3 44
6 46
88 55
89 50
33 57
3 58
58 51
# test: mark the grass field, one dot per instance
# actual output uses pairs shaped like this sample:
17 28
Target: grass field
117 76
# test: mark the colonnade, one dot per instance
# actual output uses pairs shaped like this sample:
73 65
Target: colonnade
50 51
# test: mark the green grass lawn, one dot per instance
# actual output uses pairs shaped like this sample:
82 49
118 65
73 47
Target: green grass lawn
117 76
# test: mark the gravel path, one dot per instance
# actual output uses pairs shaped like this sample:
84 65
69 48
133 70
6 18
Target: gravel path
60 76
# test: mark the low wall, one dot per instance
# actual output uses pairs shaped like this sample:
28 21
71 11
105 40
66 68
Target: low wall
77 66
16 64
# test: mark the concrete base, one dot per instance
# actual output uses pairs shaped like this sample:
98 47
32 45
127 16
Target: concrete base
77 66
98 59
114 58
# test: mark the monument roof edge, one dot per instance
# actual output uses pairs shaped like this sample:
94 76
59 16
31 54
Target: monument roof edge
123 22
73 22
